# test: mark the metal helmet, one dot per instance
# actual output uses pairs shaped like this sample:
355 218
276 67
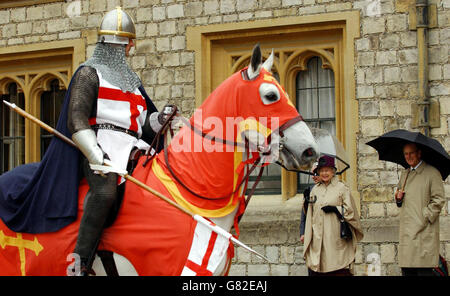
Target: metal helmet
117 27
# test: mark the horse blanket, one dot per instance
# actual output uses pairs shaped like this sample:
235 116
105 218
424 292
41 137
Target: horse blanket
152 246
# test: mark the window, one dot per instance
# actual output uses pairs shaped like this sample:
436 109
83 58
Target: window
12 134
51 103
40 74
304 46
315 94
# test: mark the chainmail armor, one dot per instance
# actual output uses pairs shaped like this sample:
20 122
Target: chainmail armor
110 61
83 98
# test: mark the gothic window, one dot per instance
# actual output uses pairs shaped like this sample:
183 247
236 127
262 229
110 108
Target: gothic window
51 103
40 74
313 84
314 61
315 96
12 131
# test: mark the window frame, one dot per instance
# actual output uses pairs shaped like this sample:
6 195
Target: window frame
20 3
302 186
16 135
51 60
203 39
54 90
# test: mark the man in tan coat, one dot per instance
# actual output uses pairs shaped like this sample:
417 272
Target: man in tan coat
420 203
325 252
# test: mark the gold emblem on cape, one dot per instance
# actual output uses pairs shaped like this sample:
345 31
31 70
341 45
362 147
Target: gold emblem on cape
21 244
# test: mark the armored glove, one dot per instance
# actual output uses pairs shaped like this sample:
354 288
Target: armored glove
86 141
157 119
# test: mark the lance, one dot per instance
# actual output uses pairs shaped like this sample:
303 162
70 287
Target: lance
124 174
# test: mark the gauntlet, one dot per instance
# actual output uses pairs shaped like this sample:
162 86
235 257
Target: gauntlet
86 141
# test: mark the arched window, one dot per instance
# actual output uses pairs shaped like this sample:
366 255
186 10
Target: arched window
220 50
12 130
51 103
315 97
41 73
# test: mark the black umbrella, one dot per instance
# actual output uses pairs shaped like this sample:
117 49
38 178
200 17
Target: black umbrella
390 148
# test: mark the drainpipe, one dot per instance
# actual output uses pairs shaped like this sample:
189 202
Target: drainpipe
425 111
422 46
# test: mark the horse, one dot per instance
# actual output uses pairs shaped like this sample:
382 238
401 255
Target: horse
247 122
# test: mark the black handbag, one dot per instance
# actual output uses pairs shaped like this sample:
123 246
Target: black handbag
346 232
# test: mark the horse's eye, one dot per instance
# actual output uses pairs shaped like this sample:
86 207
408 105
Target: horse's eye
272 96
269 93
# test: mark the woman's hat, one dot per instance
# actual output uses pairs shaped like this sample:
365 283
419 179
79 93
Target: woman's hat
326 161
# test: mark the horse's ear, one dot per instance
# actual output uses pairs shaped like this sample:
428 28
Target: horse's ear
268 63
255 62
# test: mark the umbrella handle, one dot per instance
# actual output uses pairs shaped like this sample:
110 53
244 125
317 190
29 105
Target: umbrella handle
399 201
404 183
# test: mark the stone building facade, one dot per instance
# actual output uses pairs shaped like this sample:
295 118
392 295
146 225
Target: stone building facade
381 83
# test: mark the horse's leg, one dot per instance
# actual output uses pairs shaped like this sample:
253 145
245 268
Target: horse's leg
226 223
108 262
124 266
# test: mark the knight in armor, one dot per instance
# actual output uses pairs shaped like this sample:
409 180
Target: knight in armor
108 117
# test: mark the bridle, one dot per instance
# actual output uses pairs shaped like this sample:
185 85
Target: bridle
166 126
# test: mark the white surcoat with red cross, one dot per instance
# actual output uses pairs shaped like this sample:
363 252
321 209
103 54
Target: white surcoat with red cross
126 110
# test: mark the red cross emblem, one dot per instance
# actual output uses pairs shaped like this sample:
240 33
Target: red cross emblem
118 95
202 269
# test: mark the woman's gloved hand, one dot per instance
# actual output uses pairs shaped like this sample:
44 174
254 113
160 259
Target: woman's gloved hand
332 209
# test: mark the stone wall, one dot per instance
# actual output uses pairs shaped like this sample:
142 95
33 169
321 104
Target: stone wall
386 85
386 58
386 76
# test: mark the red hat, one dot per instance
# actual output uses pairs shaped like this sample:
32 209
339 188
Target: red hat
326 161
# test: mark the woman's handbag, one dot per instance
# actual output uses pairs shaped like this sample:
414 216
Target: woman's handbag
346 232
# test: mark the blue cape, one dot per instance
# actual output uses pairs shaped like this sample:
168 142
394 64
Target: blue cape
43 197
